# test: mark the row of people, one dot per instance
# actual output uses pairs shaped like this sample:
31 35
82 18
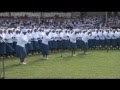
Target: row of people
42 40
97 38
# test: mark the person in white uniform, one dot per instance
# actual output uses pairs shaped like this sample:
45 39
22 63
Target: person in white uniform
29 45
117 35
113 38
35 37
93 38
40 34
20 47
73 42
97 40
105 35
45 46
102 37
2 44
9 41
108 39
15 39
85 39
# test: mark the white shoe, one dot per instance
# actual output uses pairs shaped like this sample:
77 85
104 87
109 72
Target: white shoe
74 55
47 58
24 63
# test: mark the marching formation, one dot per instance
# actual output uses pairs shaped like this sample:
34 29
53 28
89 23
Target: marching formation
20 42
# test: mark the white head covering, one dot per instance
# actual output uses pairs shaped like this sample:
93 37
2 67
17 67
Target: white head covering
46 30
9 29
17 29
24 30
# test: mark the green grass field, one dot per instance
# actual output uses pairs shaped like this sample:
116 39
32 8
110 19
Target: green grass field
97 64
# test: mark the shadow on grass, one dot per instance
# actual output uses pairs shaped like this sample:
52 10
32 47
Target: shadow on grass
12 66
69 57
37 60
81 55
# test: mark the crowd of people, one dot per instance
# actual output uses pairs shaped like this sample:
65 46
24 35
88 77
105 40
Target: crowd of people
115 20
19 37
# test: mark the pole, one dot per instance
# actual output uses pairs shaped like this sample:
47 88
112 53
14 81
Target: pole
112 13
61 52
106 23
61 48
106 16
39 17
3 68
3 63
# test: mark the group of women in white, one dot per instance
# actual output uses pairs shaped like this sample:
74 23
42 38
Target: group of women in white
20 42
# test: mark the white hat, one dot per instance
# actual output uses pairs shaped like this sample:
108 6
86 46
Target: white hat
17 29
47 30
58 29
24 30
118 29
9 29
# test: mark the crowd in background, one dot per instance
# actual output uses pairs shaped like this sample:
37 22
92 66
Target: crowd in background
93 30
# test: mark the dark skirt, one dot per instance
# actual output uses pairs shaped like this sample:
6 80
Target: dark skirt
97 42
117 40
54 44
39 42
72 46
9 48
79 43
85 46
45 49
108 41
51 44
2 48
21 52
14 44
90 43
59 44
105 42
114 42
35 45
102 43
29 47
66 44
82 44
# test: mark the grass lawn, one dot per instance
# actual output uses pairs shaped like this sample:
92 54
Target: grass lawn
97 64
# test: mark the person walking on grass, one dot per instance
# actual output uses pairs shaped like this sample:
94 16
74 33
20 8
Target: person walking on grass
73 42
45 45
20 47
85 39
